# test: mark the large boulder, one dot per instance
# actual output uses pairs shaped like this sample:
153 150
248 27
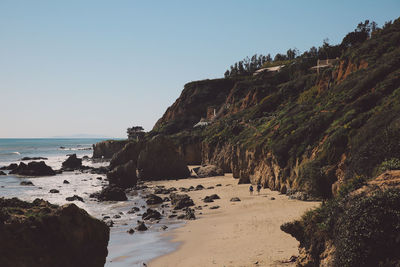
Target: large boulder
208 171
160 160
72 163
10 167
106 149
180 201
124 175
110 193
40 234
129 152
33 168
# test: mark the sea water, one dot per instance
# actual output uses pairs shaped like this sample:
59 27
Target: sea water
123 249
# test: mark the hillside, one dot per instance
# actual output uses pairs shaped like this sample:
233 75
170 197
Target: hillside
299 129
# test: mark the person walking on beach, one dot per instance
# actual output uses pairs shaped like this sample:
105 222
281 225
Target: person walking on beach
251 190
258 188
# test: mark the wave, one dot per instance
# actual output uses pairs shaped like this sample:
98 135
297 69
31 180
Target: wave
10 153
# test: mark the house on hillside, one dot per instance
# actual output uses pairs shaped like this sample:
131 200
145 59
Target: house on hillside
269 70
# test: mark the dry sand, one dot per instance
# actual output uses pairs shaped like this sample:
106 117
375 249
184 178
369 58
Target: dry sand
244 233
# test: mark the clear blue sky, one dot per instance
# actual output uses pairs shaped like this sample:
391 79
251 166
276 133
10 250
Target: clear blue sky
97 67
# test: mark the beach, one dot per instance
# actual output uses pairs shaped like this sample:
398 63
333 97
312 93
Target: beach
243 233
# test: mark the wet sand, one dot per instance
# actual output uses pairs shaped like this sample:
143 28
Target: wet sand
244 233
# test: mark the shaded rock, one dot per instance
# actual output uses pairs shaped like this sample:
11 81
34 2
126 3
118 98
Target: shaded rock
72 163
129 152
210 187
107 149
180 201
218 185
172 216
163 191
75 238
164 227
181 216
26 183
208 199
208 171
34 158
272 198
100 170
74 197
65 182
117 216
54 191
33 168
214 196
235 199
199 187
214 207
141 226
124 175
110 193
10 167
153 199
151 214
189 214
2 173
159 160
130 231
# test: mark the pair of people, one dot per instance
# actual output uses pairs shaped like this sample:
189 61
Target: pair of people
251 189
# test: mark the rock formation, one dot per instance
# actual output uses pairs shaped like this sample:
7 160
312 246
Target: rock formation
72 163
159 160
123 175
40 234
106 149
33 168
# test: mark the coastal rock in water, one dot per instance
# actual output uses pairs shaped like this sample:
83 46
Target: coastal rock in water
2 173
74 197
54 191
235 199
26 183
65 182
107 149
129 152
180 201
151 214
75 239
110 193
153 199
141 226
33 168
124 175
34 158
72 163
159 160
10 167
208 171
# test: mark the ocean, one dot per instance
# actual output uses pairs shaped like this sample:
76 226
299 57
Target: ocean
123 249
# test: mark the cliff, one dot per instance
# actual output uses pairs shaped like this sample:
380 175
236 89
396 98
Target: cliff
42 234
296 129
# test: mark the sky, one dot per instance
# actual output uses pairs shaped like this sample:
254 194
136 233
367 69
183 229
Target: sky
97 67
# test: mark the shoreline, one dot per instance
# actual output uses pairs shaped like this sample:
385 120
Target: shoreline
244 233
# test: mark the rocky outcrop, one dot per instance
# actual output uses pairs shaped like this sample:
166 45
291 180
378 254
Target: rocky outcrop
72 163
123 175
10 167
129 152
180 201
159 160
357 228
33 168
106 149
40 234
110 193
208 171
191 152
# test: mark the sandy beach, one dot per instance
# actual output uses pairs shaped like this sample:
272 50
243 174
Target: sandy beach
244 233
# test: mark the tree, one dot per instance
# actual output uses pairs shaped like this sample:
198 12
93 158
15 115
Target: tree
135 132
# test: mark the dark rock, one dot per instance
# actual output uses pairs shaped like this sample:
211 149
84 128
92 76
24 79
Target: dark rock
210 187
34 158
117 216
110 193
159 160
2 173
208 199
54 191
74 197
129 152
33 168
58 171
172 216
106 218
208 171
218 185
110 223
72 163
141 226
164 227
180 201
123 175
163 191
181 216
235 199
131 231
272 198
214 207
191 188
65 182
100 170
166 199
151 214
189 214
26 183
107 149
85 157
10 167
75 239
99 178
153 199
